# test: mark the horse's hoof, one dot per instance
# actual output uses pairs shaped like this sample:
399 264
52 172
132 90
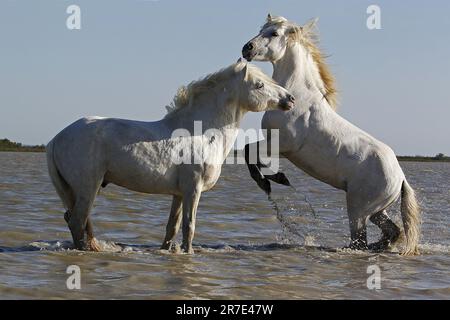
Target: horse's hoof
189 250
357 246
385 242
395 237
167 245
79 245
377 247
280 178
176 248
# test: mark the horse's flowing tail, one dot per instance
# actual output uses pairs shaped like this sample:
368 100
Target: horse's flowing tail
62 187
411 219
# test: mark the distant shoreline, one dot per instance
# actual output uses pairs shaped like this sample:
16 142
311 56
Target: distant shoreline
10 146
25 149
422 159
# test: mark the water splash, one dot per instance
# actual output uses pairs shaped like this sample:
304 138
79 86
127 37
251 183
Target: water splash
433 248
105 246
292 231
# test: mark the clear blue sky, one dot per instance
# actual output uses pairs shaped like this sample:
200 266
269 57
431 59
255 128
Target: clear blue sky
130 56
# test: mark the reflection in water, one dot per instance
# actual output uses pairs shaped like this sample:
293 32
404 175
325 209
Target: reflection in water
246 246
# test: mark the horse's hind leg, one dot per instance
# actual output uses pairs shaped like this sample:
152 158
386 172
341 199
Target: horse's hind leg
173 225
390 231
79 218
358 233
67 216
92 243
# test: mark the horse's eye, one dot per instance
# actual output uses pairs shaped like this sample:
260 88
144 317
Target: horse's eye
275 34
259 85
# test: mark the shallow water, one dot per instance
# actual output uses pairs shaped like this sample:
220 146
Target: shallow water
243 250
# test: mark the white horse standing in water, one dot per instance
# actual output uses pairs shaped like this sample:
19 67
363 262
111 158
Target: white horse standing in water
145 156
326 146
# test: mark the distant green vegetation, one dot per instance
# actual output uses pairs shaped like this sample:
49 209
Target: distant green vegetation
7 145
439 158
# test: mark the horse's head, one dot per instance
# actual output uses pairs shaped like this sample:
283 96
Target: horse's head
259 92
273 39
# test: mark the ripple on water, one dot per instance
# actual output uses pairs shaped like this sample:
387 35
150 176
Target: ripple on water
242 248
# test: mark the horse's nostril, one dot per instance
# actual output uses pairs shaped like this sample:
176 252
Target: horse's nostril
291 98
249 46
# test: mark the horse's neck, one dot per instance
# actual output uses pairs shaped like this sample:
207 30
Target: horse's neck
224 114
216 110
298 73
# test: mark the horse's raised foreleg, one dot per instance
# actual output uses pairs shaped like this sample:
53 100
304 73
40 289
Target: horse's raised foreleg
173 225
254 164
390 231
190 204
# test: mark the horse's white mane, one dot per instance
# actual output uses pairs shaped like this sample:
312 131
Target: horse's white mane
307 37
186 94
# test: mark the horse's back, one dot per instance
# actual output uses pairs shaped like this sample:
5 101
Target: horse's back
124 152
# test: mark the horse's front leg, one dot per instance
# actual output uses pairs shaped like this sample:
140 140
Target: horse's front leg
259 171
254 164
265 148
173 225
190 204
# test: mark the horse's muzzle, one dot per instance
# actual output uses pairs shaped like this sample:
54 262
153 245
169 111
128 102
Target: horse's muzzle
288 103
248 52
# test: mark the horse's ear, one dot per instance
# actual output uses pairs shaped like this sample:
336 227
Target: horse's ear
241 67
311 24
269 18
240 64
294 29
245 72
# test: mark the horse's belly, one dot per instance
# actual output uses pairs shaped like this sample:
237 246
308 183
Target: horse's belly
145 181
321 170
143 173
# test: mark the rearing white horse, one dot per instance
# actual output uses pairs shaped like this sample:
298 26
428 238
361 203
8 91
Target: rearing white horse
149 157
325 145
